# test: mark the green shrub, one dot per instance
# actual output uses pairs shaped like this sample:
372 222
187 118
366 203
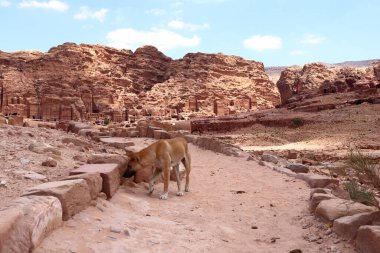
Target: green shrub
106 121
360 194
297 122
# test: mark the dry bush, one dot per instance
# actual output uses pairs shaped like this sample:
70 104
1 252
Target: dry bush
363 167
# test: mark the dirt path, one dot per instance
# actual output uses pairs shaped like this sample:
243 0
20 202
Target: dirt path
234 206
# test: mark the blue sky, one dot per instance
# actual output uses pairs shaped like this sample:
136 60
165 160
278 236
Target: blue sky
275 32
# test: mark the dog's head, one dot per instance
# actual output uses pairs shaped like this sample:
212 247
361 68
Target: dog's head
133 164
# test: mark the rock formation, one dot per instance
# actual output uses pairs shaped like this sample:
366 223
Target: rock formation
91 82
320 78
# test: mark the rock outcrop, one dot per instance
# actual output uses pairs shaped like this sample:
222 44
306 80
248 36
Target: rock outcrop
92 82
318 78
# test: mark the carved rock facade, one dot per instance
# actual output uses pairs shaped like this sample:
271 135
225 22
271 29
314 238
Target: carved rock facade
93 82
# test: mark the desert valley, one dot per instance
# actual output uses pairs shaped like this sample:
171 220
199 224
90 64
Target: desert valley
284 159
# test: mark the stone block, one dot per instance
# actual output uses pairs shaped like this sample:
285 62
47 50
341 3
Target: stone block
133 134
333 209
190 138
41 215
269 158
298 167
316 198
143 130
117 142
3 120
347 226
319 190
74 195
26 221
317 181
93 180
165 135
14 238
76 126
62 125
76 142
150 131
161 134
121 160
368 239
292 154
285 171
16 120
108 171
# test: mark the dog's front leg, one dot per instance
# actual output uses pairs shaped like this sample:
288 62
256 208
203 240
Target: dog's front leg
166 171
157 172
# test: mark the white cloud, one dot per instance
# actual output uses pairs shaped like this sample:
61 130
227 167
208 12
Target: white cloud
50 5
4 3
156 12
312 39
178 24
262 42
86 13
164 40
297 52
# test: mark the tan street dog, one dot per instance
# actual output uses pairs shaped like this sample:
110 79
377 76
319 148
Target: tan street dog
163 155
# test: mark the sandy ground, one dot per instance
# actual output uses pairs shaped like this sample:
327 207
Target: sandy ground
234 206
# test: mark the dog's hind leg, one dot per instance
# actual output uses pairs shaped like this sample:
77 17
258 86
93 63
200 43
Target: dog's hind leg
187 163
176 171
157 172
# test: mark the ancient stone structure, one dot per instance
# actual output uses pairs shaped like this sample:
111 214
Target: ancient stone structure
91 82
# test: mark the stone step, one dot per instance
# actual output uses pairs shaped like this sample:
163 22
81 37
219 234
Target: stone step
73 194
26 221
108 171
368 239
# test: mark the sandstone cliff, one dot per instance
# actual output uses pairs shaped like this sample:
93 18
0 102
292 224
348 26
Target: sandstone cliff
318 78
90 81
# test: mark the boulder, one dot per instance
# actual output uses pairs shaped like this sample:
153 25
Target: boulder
43 148
368 239
50 162
348 226
74 195
333 209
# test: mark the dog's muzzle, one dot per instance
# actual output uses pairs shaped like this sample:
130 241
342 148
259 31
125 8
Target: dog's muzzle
129 173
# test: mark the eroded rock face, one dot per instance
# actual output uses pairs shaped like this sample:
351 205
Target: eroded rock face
73 82
320 78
